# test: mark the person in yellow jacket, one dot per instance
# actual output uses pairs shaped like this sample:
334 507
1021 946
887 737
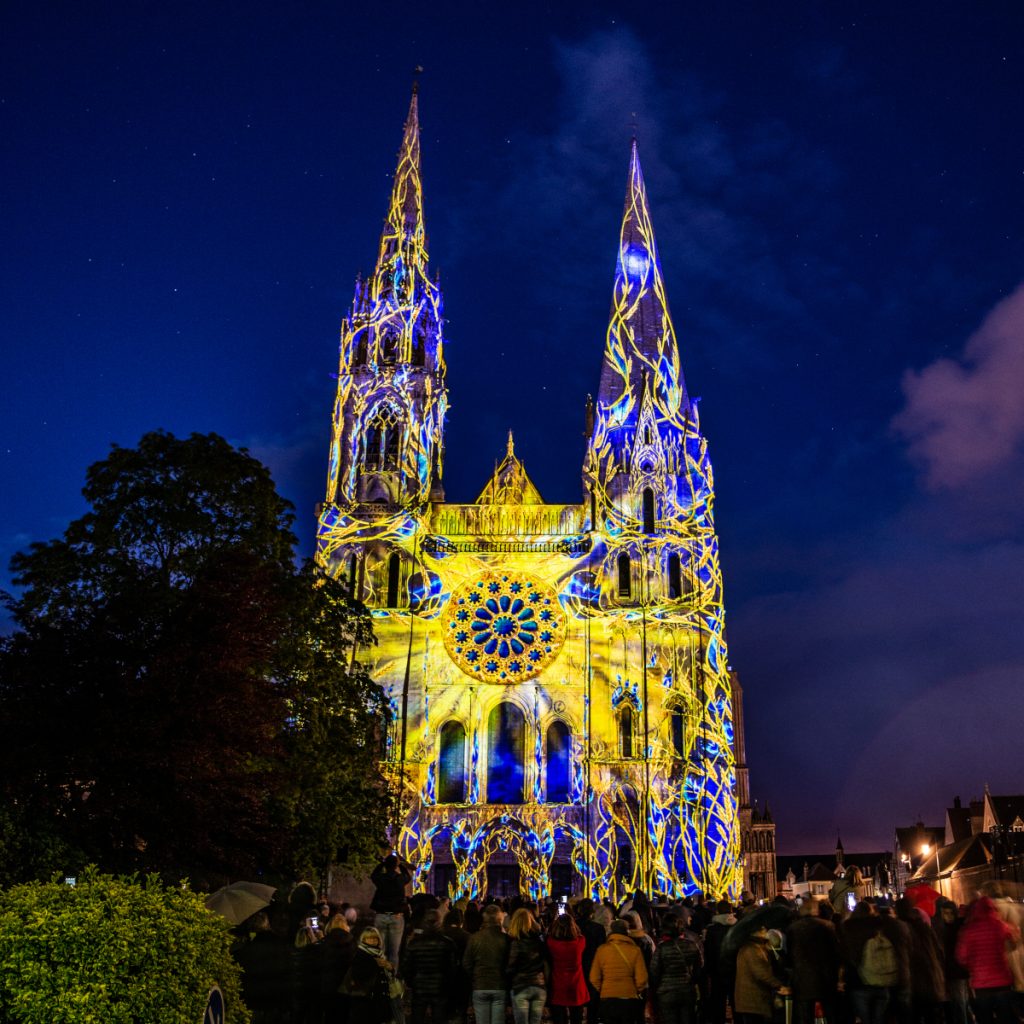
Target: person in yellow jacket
620 976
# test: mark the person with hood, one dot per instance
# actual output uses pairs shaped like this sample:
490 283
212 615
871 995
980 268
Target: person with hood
757 984
981 948
719 972
619 975
866 979
675 967
814 952
370 984
337 950
637 933
428 969
947 924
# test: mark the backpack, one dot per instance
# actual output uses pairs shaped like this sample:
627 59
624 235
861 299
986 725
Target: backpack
878 964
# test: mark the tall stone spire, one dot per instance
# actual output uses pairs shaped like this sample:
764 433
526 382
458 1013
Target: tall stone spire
387 434
404 233
641 341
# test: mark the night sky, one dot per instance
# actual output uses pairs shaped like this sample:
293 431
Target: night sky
189 190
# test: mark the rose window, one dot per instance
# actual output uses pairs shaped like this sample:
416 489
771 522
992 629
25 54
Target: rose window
504 628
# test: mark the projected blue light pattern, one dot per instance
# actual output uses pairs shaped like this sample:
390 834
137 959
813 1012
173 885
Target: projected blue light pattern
572 656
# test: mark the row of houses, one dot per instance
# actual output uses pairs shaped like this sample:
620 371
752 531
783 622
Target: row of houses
979 846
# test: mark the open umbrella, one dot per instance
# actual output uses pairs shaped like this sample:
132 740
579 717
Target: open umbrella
240 900
772 915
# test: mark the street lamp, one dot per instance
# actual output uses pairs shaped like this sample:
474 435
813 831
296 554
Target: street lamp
926 849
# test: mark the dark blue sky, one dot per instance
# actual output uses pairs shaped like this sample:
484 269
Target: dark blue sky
188 192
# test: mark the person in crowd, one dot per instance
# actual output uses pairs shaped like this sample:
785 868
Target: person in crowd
473 919
924 964
336 953
526 967
719 972
619 975
870 967
901 994
454 928
370 985
266 962
636 932
568 992
428 969
814 954
604 915
981 948
947 924
675 967
757 984
593 935
307 1005
390 878
485 960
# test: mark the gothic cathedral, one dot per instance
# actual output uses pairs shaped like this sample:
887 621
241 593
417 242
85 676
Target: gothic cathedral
561 701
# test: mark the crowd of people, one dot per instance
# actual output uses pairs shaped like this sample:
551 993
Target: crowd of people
413 960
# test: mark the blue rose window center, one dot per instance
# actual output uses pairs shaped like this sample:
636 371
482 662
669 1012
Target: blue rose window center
505 626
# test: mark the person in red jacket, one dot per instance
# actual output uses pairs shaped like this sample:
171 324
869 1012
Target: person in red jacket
981 948
567 988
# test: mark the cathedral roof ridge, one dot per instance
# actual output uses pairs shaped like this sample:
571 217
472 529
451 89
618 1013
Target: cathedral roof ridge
509 483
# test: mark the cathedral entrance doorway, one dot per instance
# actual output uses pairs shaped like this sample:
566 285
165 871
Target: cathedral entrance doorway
503 880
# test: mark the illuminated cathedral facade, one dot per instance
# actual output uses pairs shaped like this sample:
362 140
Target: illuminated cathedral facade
561 701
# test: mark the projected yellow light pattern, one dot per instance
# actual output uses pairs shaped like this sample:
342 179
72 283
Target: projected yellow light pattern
557 673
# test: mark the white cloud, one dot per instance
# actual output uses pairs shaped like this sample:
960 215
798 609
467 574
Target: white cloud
964 417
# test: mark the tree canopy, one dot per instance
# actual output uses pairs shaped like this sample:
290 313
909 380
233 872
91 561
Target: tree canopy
178 695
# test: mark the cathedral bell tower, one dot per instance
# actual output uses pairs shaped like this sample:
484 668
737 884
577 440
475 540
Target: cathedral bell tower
649 492
387 431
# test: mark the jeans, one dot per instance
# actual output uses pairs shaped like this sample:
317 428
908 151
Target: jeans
390 927
489 1005
870 1004
528 1004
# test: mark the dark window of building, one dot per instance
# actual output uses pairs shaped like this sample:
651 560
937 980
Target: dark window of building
360 356
626 731
394 573
678 725
389 345
625 585
558 765
675 577
648 499
647 435
451 764
353 568
506 735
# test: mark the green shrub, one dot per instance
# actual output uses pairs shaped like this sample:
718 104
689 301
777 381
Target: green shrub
112 950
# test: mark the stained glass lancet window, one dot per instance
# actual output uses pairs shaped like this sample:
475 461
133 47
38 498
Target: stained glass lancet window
506 729
383 438
451 764
675 577
626 731
558 763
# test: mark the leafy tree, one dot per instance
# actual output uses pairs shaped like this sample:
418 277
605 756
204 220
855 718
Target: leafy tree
116 950
178 695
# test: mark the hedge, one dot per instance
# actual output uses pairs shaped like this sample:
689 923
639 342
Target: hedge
112 950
